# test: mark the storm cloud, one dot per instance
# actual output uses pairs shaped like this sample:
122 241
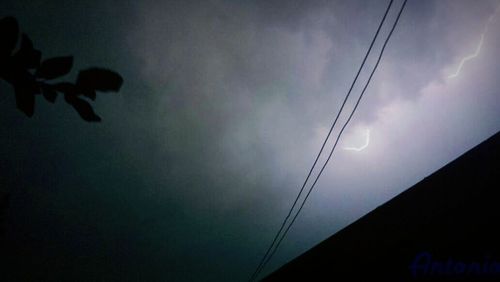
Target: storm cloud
224 106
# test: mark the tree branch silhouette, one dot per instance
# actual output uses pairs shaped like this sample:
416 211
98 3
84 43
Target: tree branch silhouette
29 75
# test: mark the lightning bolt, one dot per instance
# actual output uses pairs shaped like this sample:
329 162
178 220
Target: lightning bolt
478 48
358 149
469 57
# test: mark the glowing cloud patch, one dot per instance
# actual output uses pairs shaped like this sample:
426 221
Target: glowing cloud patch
358 149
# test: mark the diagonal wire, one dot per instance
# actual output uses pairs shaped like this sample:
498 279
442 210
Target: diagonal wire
340 134
258 269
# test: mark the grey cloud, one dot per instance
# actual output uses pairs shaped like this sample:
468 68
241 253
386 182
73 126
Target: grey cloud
224 106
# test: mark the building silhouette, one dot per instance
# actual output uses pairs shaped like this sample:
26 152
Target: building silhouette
446 227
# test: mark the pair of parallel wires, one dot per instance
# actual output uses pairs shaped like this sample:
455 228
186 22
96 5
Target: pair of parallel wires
280 235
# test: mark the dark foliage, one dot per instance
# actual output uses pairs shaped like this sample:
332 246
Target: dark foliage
29 75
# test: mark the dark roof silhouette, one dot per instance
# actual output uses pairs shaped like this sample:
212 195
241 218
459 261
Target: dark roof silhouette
444 227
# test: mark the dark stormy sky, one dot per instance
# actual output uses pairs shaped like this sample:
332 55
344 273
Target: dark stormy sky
223 108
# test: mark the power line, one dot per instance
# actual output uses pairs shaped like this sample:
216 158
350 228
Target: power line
338 138
344 126
340 134
262 262
323 145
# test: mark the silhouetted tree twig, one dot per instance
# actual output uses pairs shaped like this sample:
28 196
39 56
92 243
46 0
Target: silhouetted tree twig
30 76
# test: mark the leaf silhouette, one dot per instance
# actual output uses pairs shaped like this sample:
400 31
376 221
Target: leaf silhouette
82 107
54 67
9 30
65 87
22 69
25 100
98 79
49 93
88 93
27 56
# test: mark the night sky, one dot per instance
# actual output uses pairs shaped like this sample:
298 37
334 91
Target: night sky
224 106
